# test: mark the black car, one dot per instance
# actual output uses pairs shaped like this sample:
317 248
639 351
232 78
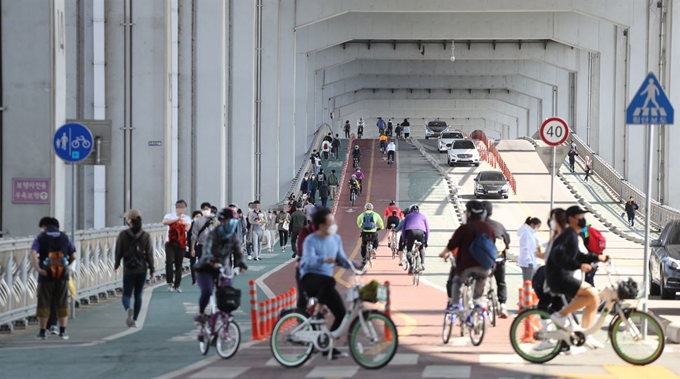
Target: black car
434 128
491 183
664 262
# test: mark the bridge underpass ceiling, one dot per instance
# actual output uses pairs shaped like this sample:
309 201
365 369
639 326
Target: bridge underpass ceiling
571 29
552 53
611 11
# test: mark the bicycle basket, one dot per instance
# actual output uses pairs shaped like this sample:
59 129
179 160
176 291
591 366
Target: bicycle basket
373 292
627 289
228 298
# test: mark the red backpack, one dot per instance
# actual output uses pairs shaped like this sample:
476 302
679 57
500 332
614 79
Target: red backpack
596 241
177 234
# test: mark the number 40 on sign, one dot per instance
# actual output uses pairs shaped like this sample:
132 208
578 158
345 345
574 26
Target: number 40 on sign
554 131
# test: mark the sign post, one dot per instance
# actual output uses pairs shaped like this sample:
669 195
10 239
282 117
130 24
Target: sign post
650 106
554 132
73 143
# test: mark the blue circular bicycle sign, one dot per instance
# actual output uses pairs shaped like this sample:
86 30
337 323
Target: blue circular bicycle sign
73 142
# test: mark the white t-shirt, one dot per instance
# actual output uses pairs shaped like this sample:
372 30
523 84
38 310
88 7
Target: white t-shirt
173 216
391 147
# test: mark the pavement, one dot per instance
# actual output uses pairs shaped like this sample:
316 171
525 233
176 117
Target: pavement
165 345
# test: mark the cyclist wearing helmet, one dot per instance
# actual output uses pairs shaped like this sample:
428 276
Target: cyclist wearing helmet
360 177
466 265
383 143
222 246
502 243
360 127
354 184
369 222
391 208
356 156
415 227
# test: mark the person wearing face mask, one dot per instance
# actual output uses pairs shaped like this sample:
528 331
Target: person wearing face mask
564 258
528 247
200 229
322 252
134 248
222 246
195 216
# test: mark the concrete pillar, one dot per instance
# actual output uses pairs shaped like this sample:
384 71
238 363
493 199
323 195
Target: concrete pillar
301 77
619 100
241 136
186 92
209 179
286 96
34 101
672 132
604 126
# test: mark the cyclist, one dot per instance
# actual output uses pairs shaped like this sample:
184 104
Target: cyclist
466 265
502 243
392 219
354 185
223 246
360 177
360 127
369 222
564 258
390 125
415 227
397 131
391 148
346 128
381 125
393 208
356 156
383 143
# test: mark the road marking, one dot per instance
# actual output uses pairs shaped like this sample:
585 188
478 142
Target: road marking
260 281
452 371
219 372
146 300
333 372
640 372
500 358
404 360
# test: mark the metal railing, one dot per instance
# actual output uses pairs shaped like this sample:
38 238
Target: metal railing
93 271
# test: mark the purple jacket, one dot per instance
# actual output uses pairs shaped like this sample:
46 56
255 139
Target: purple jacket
416 221
360 175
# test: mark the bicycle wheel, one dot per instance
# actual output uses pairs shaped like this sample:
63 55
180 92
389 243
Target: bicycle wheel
370 352
286 348
447 327
369 254
478 326
525 336
638 350
493 310
228 339
204 338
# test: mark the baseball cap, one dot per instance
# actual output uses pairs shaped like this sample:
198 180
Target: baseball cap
576 210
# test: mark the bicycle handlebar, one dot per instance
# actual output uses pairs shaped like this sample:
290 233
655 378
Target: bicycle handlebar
355 270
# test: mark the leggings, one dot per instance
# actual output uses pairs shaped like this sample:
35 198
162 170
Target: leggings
323 288
283 237
206 282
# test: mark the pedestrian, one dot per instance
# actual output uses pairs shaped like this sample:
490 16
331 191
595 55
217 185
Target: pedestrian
298 219
335 147
283 226
572 159
314 188
200 229
321 178
326 148
195 216
257 222
347 129
309 210
51 253
332 184
52 322
324 191
306 185
135 249
270 230
631 207
502 243
397 130
589 167
176 243
406 128
528 247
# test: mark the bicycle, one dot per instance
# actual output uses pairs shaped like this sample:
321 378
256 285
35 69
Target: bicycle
415 258
220 329
352 196
356 162
393 241
305 335
80 139
370 250
494 307
643 328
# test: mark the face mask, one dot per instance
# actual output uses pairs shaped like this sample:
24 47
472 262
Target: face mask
332 229
551 224
206 213
582 223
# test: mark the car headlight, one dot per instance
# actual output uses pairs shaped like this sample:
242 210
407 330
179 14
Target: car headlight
505 187
453 155
673 263
480 187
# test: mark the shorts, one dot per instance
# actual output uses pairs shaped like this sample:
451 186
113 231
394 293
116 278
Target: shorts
565 285
52 293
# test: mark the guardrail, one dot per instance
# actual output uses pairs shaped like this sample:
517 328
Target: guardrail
93 271
488 151
341 182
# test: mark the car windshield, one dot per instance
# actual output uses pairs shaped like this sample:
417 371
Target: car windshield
452 136
491 177
463 145
436 126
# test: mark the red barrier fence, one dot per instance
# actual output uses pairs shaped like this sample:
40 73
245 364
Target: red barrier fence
488 152
264 315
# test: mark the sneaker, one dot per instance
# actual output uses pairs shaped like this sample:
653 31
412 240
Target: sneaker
41 336
193 282
410 271
64 336
178 290
134 324
335 354
54 330
250 257
562 322
451 308
545 345
130 313
573 350
171 288
593 344
258 258
401 263
293 256
504 311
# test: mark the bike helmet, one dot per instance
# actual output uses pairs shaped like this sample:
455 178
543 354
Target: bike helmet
356 146
368 206
414 208
354 176
227 214
392 202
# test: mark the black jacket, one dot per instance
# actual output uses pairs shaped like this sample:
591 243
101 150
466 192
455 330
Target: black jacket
565 256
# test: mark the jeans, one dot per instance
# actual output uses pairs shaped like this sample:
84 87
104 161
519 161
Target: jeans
571 165
174 256
346 133
323 288
257 242
477 290
631 220
302 295
283 238
324 202
133 283
206 282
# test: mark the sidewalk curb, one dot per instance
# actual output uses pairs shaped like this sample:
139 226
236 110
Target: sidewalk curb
672 331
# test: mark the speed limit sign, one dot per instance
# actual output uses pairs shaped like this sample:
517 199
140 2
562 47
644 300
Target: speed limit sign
554 131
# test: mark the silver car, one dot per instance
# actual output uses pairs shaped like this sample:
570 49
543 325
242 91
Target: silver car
664 262
446 139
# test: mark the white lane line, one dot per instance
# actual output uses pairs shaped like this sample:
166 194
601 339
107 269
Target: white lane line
219 373
260 281
452 371
146 300
200 364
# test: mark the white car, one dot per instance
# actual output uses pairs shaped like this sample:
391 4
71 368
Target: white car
463 152
447 137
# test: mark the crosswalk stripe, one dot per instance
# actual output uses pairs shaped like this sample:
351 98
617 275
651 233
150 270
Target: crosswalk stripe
219 372
333 372
500 358
446 372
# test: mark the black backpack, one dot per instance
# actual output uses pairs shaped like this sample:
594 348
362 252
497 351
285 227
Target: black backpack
134 256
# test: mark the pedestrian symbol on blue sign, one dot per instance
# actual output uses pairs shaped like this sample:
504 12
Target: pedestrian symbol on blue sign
650 104
73 142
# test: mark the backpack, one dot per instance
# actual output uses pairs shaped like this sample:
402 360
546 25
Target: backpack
134 256
483 250
368 223
177 234
56 263
596 241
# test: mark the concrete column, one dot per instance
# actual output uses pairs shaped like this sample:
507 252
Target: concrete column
286 95
241 149
603 127
301 94
209 179
271 129
34 101
619 100
186 94
673 134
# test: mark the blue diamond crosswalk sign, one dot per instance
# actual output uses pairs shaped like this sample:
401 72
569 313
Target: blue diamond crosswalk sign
650 104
